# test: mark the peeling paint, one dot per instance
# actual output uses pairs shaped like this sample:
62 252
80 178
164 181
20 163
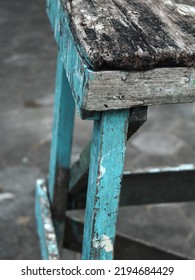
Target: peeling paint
102 172
103 195
45 227
104 243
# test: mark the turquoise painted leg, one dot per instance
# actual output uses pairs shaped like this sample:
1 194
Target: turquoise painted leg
46 232
105 175
60 150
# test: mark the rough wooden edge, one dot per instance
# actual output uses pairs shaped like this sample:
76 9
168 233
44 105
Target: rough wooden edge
139 35
123 89
76 70
45 228
113 90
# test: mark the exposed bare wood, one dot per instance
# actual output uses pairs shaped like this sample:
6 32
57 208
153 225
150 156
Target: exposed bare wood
154 34
122 89
136 34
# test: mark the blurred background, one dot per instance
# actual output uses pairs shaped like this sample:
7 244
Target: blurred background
27 78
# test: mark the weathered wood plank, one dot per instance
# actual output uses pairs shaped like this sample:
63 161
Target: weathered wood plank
105 174
107 90
46 231
60 149
79 170
136 34
149 186
115 90
126 248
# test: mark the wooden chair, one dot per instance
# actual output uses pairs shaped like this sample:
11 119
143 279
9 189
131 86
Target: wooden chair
116 57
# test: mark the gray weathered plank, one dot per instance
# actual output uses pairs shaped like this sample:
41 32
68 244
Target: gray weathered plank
96 91
136 34
122 89
126 248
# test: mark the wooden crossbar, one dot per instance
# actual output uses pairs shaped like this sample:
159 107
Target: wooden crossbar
150 186
126 248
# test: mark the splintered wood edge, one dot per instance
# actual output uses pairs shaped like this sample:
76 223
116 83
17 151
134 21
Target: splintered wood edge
124 89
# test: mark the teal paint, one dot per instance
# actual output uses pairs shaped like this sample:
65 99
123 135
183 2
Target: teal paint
105 174
61 147
62 127
45 228
77 71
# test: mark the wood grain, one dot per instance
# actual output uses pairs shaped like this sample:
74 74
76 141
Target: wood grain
123 89
136 34
96 91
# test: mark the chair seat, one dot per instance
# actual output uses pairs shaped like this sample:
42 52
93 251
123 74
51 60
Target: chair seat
119 54
136 34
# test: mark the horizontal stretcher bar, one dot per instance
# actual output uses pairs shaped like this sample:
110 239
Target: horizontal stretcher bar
150 186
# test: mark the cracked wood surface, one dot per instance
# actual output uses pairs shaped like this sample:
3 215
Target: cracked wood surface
136 34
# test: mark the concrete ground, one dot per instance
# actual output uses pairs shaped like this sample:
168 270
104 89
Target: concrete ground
27 77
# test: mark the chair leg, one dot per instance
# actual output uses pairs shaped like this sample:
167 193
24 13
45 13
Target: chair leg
105 175
60 150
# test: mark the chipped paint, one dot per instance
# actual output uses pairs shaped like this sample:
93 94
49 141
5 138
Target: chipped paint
45 228
104 243
107 149
102 172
